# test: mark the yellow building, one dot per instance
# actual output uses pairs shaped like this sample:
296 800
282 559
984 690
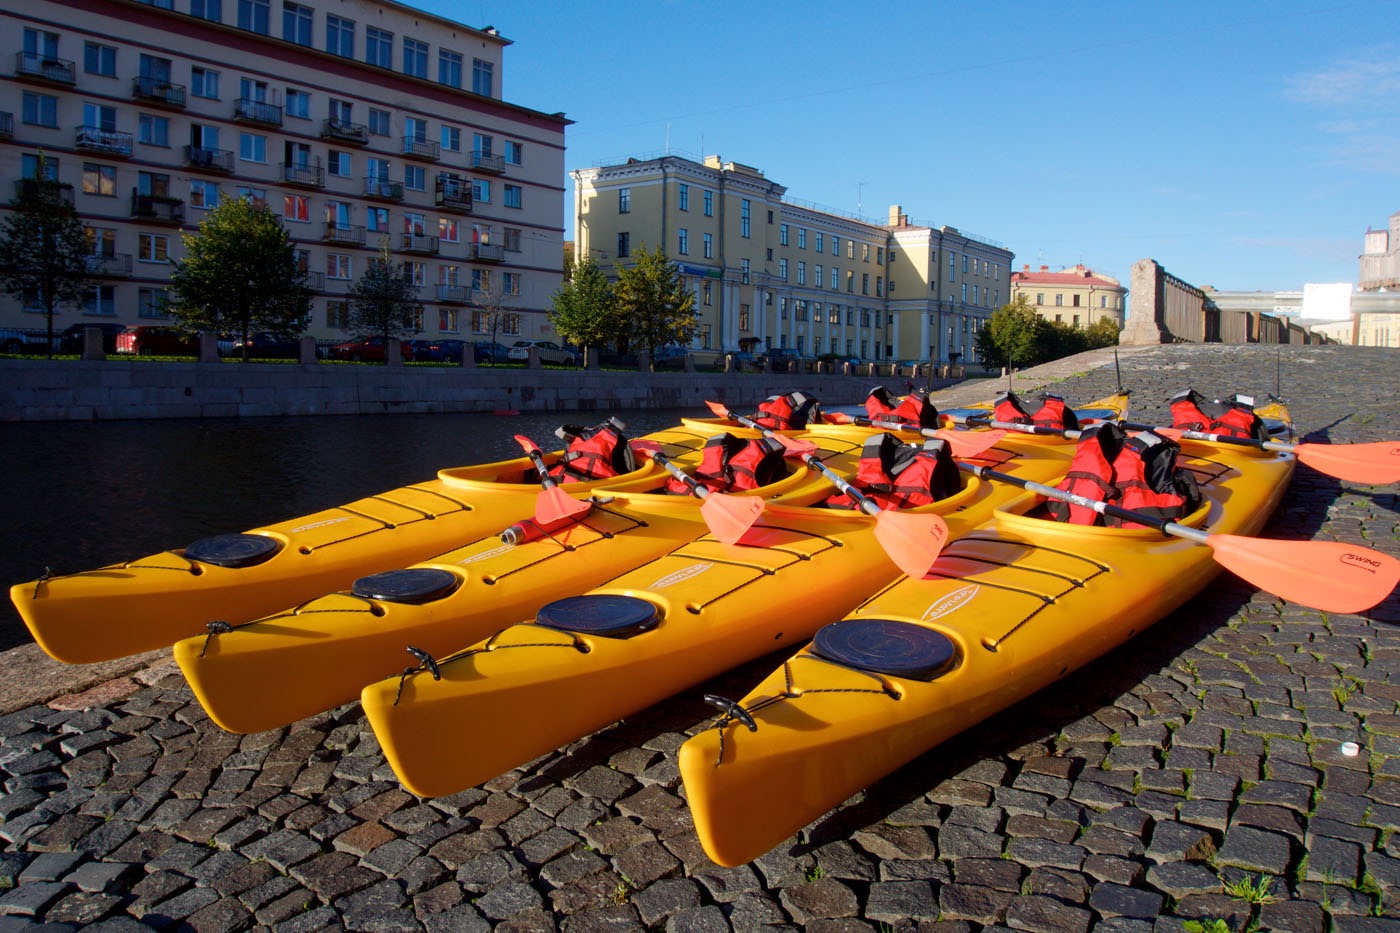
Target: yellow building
1077 296
359 122
768 271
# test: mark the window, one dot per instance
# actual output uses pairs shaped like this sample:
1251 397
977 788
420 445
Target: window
448 319
512 196
415 129
964 263
683 241
801 272
337 266
801 237
296 23
782 269
835 278
782 234
851 249
817 244
252 147
515 152
415 58
338 214
865 283
204 83
448 275
744 271
204 194
295 207
817 275
378 122
865 252
624 245
745 217
340 36
481 190
483 77
449 68
952 266
415 273
1040 298
709 204
101 300
451 138
448 230
414 178
255 196
836 246
624 200
99 59
151 302
799 310
339 164
100 116
99 179
379 47
212 10
338 314
708 241
377 219
706 293
253 16
512 237
153 247
510 283
39 109
850 281
298 104
1076 301
153 130
684 196
1059 301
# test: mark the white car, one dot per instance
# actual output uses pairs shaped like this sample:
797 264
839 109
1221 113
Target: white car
550 352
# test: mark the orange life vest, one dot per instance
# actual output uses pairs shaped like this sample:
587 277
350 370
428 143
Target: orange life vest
1136 472
914 408
729 463
790 412
1052 412
593 453
898 476
1232 417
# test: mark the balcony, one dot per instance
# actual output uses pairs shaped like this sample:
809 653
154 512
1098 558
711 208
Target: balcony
7 125
303 174
107 142
416 148
453 194
454 294
211 160
485 162
42 68
419 243
115 265
345 132
157 208
158 91
488 252
26 187
337 233
383 189
248 110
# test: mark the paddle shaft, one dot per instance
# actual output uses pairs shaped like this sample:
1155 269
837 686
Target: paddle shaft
546 480
862 501
1220 438
695 488
1103 508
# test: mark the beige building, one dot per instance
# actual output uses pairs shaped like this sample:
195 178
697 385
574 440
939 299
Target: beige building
1077 296
359 122
768 271
1380 258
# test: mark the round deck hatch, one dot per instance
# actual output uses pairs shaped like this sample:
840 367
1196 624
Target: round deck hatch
883 646
602 614
413 585
232 550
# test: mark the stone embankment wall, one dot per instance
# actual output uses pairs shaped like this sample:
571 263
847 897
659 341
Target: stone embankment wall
1164 309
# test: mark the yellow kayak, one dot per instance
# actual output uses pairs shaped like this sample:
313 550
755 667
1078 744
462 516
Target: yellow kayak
706 607
126 608
322 652
1005 611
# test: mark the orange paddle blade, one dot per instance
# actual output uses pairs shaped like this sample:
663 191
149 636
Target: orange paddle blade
793 447
645 445
1328 575
718 408
967 444
912 540
837 417
1375 464
730 517
527 445
554 505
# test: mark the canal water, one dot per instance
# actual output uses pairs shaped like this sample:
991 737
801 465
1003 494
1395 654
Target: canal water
82 495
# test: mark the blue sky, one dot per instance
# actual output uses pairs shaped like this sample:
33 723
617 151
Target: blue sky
1241 145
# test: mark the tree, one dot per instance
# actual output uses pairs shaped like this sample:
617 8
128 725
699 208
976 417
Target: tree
653 304
384 301
490 301
45 251
240 274
585 311
1101 333
1014 336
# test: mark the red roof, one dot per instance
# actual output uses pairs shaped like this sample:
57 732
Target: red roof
1078 275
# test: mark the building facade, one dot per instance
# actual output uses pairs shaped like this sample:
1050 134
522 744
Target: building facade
1077 296
767 271
1380 258
361 123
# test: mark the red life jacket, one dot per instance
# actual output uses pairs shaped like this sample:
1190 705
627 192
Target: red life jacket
1137 472
1232 417
791 412
729 463
593 453
1052 412
898 476
914 408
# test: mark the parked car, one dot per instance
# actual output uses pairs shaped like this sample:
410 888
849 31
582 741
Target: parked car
550 352
265 345
72 338
144 340
438 351
368 350
22 341
669 358
487 352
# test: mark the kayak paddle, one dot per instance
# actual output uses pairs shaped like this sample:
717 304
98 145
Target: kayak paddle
553 504
911 540
1327 575
1375 464
960 443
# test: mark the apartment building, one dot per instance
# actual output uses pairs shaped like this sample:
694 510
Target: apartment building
1380 258
1077 296
770 271
361 123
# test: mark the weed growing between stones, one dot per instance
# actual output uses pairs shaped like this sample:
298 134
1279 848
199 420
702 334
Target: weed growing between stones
1251 890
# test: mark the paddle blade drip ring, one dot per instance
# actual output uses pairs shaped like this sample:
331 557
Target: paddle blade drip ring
602 614
884 646
414 585
233 550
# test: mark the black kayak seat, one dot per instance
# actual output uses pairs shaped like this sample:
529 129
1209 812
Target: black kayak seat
600 614
886 646
413 585
233 550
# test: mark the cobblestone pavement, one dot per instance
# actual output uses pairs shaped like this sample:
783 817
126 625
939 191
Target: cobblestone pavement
1194 774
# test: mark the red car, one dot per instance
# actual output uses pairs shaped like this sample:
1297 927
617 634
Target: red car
369 350
157 341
